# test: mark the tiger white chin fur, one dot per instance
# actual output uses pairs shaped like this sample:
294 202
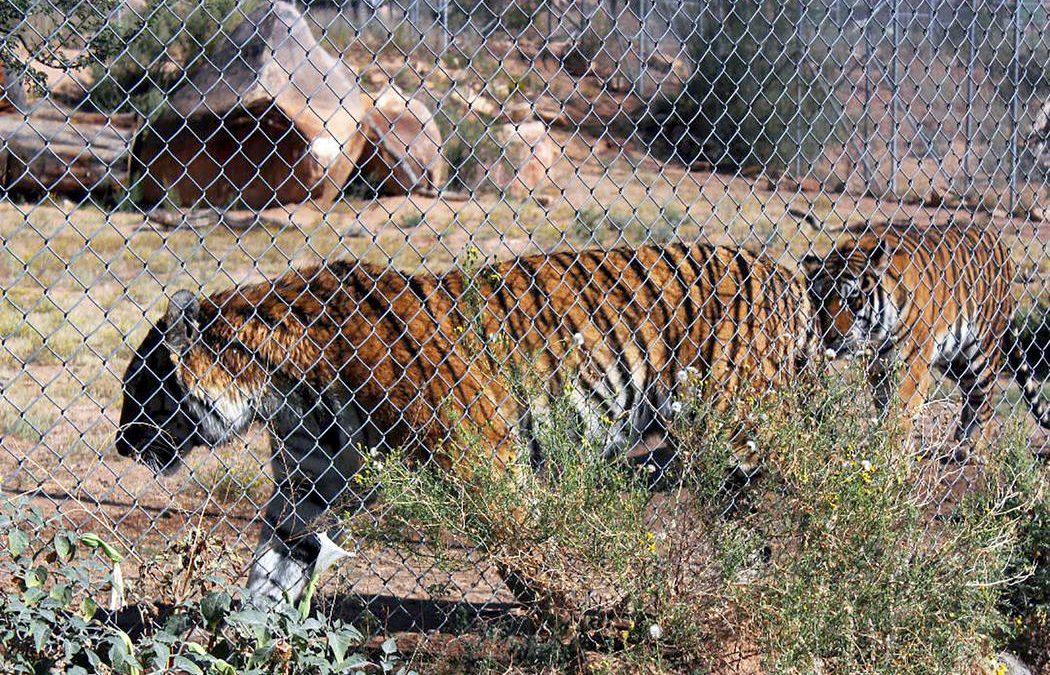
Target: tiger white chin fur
345 357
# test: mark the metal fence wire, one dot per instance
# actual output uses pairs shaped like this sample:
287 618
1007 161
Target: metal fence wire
300 236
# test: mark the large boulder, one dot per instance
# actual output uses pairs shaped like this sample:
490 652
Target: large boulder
527 153
403 149
270 119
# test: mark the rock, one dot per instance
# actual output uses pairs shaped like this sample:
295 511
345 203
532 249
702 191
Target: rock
527 155
271 119
552 115
571 57
668 64
476 103
403 150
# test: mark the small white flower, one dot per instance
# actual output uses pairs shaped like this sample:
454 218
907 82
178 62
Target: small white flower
865 465
577 340
655 632
682 376
752 446
676 407
830 353
691 371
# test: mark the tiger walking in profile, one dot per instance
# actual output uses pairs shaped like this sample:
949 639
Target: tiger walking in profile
923 299
348 358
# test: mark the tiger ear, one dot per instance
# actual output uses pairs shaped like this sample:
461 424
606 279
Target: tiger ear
878 263
182 322
812 264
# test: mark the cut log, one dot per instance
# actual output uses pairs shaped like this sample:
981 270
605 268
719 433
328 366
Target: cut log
270 119
74 155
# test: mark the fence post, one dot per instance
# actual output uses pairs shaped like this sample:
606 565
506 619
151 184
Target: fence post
1015 83
895 58
443 35
971 64
643 19
866 109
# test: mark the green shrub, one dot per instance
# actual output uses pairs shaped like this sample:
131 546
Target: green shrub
48 32
51 621
747 99
159 49
470 148
827 560
1027 604
574 538
859 577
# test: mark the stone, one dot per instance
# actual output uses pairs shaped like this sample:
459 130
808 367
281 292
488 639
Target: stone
271 119
403 150
527 155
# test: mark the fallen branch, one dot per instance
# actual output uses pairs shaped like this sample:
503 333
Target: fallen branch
208 218
444 195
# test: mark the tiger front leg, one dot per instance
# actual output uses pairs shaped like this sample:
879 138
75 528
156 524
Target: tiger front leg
976 408
314 464
292 546
904 383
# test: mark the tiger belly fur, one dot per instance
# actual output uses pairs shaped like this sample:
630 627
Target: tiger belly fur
346 358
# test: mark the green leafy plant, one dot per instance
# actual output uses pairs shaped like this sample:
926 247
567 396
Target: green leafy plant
470 148
1027 605
50 620
856 575
573 538
829 558
49 32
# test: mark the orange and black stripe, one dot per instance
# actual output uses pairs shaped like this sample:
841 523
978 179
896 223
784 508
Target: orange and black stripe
620 324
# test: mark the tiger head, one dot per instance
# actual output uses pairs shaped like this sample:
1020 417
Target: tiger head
166 412
853 309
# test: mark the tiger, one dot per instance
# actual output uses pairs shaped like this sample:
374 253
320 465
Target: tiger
917 299
347 358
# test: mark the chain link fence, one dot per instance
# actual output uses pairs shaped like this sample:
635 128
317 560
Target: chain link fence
377 208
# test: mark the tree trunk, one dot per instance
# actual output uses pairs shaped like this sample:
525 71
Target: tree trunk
72 154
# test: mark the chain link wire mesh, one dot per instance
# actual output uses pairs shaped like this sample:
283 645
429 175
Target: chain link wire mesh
210 145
